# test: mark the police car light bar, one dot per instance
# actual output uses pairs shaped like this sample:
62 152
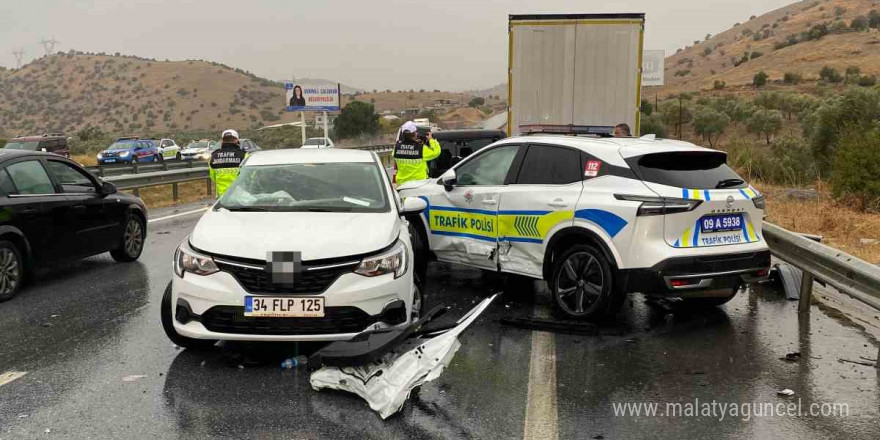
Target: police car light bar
594 130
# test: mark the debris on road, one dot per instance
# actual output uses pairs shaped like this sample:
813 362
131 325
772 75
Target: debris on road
386 383
133 377
560 326
785 392
294 362
867 364
790 277
791 357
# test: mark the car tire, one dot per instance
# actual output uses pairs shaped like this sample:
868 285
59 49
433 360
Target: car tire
582 284
134 234
418 301
134 160
12 271
159 158
420 252
168 326
178 157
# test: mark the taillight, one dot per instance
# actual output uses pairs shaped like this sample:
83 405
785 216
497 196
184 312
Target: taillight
660 205
759 201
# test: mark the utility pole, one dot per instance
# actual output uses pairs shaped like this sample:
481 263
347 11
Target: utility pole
679 116
49 45
19 55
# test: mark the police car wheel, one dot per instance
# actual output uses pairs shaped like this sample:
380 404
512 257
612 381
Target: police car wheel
582 284
168 326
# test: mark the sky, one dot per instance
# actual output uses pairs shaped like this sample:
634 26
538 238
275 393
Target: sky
451 45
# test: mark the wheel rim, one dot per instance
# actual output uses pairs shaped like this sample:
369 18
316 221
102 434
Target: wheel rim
134 238
416 313
579 284
10 273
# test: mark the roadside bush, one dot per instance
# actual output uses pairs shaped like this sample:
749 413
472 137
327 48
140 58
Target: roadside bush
867 81
646 107
787 162
792 78
719 85
859 24
652 124
756 54
830 74
857 108
760 79
857 167
357 118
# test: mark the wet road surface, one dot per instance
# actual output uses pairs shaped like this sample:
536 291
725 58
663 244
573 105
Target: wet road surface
98 365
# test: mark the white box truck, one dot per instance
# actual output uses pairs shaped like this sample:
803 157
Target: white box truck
581 70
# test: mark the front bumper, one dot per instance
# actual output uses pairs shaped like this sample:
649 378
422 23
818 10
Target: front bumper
114 160
698 276
212 307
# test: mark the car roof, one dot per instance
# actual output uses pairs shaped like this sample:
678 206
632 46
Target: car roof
289 156
7 154
612 150
468 134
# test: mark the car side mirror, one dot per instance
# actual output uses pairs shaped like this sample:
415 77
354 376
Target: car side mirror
107 188
448 180
413 205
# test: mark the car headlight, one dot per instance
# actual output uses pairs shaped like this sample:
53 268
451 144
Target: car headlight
392 261
188 260
100 156
124 154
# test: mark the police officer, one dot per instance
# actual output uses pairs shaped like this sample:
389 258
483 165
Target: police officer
224 165
411 154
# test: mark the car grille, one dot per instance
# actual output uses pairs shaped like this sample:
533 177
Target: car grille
231 319
313 279
108 155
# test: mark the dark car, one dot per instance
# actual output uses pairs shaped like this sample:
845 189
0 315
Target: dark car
248 146
52 211
456 145
55 143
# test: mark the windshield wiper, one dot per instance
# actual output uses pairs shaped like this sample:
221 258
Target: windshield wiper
727 183
248 208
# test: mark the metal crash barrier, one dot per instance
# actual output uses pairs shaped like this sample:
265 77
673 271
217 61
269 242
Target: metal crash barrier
846 273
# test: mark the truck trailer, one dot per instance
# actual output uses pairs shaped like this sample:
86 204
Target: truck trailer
577 70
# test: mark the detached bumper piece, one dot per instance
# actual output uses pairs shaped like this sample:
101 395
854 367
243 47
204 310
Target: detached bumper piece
396 361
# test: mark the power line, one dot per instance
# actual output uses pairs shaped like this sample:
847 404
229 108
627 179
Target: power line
49 45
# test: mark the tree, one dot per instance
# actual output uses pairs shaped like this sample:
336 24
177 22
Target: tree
760 79
830 74
652 124
477 101
357 118
719 85
857 108
765 122
856 168
874 19
646 107
859 24
709 122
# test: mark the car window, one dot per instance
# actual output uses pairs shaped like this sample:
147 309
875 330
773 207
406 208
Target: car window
6 186
544 164
71 179
687 169
30 178
489 168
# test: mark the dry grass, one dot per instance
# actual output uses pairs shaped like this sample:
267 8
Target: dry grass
807 58
84 159
161 196
841 226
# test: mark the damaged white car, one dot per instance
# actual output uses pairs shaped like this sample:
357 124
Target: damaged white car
304 246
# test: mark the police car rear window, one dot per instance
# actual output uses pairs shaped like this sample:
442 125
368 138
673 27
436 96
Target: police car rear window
687 169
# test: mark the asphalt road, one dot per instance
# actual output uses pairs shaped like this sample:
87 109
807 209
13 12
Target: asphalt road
98 365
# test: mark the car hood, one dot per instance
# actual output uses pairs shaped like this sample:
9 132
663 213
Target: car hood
194 150
413 184
317 235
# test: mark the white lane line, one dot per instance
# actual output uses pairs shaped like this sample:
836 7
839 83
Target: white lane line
541 421
9 376
178 214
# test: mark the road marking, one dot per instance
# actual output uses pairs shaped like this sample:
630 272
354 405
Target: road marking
9 376
178 215
541 399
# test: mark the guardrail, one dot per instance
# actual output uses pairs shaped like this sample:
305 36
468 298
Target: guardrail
170 177
846 273
115 170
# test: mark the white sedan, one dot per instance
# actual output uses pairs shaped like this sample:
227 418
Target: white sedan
318 142
283 255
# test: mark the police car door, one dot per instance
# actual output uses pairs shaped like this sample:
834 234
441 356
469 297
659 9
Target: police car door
463 219
539 201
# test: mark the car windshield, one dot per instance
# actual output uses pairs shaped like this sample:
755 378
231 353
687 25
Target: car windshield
312 187
32 146
314 141
121 145
199 144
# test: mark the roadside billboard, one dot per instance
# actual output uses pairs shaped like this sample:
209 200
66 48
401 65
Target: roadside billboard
304 97
652 67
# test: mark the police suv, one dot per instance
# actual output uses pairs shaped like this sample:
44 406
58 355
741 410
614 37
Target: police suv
598 218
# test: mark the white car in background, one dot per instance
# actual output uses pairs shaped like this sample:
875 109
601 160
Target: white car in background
318 142
598 218
200 150
310 273
168 149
